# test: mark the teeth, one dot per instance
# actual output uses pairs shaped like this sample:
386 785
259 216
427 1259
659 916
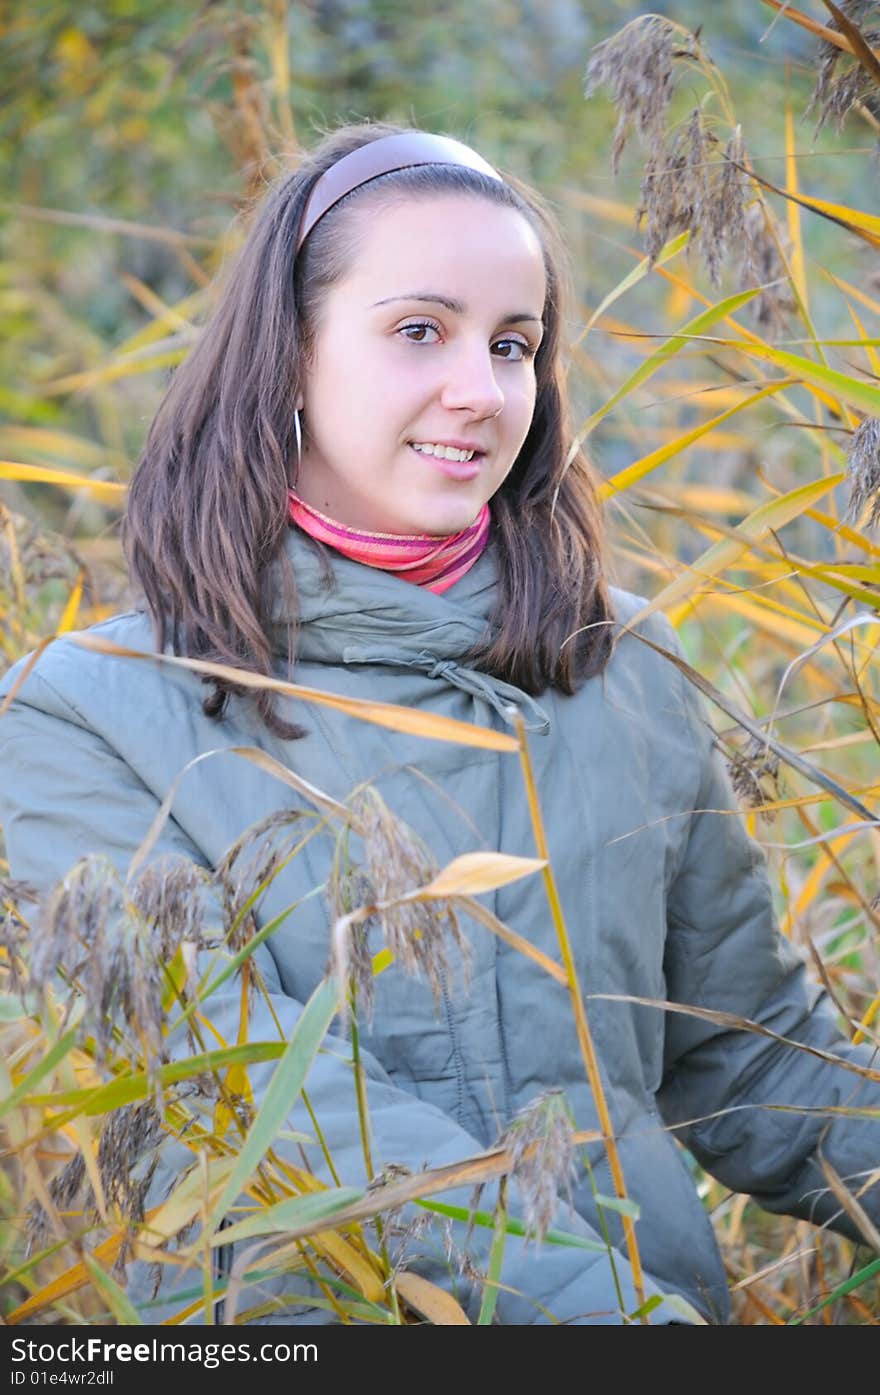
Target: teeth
443 452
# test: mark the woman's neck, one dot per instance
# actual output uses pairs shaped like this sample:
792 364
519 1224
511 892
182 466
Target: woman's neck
435 563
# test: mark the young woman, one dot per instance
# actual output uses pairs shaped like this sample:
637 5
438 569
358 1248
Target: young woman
358 480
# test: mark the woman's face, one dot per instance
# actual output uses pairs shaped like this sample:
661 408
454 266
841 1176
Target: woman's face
424 350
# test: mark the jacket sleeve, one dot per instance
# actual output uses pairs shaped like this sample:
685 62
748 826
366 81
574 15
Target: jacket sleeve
65 793
725 951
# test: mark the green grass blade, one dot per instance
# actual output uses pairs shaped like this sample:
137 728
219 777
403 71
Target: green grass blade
853 1282
513 1226
775 513
682 340
847 388
282 1092
128 1088
496 1259
117 1300
52 1058
286 1215
633 278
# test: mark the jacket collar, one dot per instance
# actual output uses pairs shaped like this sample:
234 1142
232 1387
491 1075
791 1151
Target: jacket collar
363 615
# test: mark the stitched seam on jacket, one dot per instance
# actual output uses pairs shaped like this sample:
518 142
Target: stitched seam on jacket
65 702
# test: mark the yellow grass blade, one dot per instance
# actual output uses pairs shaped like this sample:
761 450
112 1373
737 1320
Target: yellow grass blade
103 224
667 350
16 570
612 209
831 36
852 217
867 1020
384 958
65 1284
631 279
864 225
362 1265
63 444
812 883
865 56
798 272
126 1089
705 498
256 756
71 609
848 534
429 1301
748 336
108 491
383 714
185 1202
340 1254
844 387
639 468
870 352
290 1214
711 439
772 514
141 361
473 873
346 1258
857 1214
778 622
236 1081
851 291
171 317
279 53
842 575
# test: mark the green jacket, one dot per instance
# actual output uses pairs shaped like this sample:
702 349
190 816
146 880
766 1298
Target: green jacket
664 896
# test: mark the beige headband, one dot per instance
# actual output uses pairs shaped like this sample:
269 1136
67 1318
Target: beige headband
382 156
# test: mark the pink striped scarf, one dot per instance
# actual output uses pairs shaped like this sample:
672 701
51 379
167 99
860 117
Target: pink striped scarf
435 563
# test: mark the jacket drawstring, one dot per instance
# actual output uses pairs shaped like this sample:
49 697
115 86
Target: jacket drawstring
498 694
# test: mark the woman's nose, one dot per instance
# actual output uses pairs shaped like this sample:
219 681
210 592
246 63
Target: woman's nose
471 384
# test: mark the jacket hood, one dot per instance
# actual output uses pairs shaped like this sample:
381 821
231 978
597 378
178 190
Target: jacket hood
354 614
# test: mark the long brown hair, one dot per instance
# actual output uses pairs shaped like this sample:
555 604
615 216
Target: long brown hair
207 510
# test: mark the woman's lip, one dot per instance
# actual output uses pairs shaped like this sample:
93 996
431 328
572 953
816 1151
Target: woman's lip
455 469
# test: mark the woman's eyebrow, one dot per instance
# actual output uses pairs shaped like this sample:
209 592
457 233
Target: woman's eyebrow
456 306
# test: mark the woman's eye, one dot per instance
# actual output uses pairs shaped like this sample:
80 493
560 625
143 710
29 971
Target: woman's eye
417 333
521 350
511 350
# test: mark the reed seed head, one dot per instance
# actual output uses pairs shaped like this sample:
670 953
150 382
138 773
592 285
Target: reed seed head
863 472
544 1169
249 865
754 775
129 1137
112 948
172 896
688 187
635 65
842 82
396 863
761 264
92 935
351 961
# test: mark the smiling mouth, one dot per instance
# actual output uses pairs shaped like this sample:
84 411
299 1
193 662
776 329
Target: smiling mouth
453 469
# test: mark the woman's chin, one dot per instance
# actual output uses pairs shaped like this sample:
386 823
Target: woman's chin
444 520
